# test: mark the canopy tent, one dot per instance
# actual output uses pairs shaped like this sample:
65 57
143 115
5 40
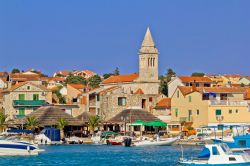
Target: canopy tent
138 123
156 123
19 131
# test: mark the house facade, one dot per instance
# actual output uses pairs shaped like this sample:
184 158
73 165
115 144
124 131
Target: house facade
187 81
24 98
209 106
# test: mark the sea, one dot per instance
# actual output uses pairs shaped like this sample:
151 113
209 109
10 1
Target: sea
104 155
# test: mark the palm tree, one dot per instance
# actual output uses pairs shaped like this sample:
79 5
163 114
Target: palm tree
32 123
2 121
61 123
93 122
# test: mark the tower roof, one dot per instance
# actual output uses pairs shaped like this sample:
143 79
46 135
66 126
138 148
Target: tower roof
148 40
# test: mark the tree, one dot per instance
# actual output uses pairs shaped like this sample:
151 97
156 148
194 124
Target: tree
32 123
170 74
94 81
198 74
15 70
71 79
3 118
164 80
60 97
93 122
61 123
107 75
116 71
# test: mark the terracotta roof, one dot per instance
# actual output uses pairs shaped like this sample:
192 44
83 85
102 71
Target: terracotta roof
186 90
195 79
133 114
164 103
49 115
232 75
24 83
247 94
108 89
121 78
24 77
57 79
139 91
77 86
63 72
88 72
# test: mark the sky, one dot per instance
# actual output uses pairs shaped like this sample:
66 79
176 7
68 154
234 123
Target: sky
208 36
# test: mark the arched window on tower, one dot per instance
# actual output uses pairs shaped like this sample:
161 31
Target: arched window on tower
153 62
148 62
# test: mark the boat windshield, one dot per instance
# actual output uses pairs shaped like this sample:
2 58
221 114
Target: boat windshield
204 154
226 149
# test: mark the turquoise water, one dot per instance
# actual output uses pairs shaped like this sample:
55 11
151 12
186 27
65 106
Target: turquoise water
92 155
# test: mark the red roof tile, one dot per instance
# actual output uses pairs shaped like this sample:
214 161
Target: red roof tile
195 79
164 103
121 78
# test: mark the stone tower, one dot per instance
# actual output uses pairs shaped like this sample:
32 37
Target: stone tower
148 60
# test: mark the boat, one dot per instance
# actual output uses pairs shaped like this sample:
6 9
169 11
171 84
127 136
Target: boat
18 148
157 142
218 154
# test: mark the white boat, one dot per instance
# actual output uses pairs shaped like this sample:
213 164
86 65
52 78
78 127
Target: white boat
158 142
18 148
218 154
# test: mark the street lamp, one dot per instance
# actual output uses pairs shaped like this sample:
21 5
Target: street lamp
124 119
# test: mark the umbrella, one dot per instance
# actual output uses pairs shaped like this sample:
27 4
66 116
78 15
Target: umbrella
156 123
138 123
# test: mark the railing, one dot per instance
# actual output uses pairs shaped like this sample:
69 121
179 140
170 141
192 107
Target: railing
186 119
228 102
29 102
20 116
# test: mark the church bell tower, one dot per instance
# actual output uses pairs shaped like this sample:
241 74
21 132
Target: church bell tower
148 60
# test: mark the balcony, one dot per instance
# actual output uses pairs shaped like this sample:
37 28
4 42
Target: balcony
228 103
27 103
186 119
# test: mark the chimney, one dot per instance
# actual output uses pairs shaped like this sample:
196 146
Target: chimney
194 86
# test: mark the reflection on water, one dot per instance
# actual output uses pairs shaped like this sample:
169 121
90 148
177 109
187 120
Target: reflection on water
104 155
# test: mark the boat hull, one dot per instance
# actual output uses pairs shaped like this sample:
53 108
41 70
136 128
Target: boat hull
166 142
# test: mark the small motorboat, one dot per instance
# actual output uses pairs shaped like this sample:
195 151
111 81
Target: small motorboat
18 148
218 154
158 142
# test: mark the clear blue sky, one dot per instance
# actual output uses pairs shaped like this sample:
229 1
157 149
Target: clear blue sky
210 36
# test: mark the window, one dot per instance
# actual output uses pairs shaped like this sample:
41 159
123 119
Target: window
21 111
150 99
98 111
28 87
236 111
176 112
190 98
232 159
97 97
121 101
215 151
21 97
198 112
35 96
217 112
230 111
189 115
178 94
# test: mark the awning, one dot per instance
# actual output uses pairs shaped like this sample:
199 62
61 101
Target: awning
156 123
138 123
19 131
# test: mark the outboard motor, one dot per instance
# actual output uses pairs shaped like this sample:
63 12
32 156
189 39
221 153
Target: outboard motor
127 142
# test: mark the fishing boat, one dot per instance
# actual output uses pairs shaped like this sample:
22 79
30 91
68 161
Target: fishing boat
218 154
18 148
157 142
